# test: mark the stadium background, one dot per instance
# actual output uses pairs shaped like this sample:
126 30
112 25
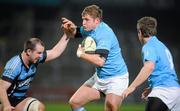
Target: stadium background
57 80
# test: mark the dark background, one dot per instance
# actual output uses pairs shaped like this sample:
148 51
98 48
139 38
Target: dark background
57 80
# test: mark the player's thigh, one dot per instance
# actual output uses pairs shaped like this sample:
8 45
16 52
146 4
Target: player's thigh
156 104
31 104
113 100
85 94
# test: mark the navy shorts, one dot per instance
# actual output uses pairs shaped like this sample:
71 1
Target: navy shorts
14 100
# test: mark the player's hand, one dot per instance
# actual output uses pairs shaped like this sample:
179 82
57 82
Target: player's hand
145 93
8 108
80 51
128 91
69 27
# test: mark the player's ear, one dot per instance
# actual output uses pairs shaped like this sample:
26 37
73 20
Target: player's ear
139 31
97 20
28 52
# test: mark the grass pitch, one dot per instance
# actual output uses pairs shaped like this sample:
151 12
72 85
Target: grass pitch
93 107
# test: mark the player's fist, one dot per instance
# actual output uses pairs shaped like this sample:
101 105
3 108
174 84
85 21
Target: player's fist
128 91
145 93
69 27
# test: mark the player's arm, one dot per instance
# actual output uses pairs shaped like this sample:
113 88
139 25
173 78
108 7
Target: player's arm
144 73
57 50
4 85
93 58
70 28
98 58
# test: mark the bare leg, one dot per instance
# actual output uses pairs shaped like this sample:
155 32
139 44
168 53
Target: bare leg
112 102
83 95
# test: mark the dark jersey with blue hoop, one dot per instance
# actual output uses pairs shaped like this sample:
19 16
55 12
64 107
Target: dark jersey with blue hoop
19 75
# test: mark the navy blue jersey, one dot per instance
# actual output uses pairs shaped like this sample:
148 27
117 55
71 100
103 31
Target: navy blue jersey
19 75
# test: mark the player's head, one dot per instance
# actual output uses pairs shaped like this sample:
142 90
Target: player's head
92 16
147 26
93 10
34 48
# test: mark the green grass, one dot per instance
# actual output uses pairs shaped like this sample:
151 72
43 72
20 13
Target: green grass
93 107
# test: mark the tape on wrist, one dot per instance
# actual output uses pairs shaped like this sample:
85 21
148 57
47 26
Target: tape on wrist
79 53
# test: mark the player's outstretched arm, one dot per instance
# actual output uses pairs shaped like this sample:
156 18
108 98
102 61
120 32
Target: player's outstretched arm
58 49
141 77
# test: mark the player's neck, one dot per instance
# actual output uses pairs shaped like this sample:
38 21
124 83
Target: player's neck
145 40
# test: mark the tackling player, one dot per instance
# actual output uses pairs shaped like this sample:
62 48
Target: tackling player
20 71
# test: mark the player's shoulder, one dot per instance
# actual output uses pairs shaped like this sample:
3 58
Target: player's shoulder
106 29
104 26
14 62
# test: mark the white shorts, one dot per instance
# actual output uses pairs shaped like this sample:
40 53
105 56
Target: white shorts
170 96
115 84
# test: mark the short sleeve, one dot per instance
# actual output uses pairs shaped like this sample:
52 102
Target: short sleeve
104 42
149 54
11 71
43 57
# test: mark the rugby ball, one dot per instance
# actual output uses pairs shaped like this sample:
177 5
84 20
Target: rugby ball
89 45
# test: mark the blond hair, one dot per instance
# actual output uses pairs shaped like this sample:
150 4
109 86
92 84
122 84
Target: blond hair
93 10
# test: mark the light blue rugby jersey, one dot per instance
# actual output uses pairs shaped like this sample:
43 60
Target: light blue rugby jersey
164 74
19 75
106 39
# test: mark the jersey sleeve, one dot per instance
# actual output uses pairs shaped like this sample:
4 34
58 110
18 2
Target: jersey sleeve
43 57
103 43
149 54
11 71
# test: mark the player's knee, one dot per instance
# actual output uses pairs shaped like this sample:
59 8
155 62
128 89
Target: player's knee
74 103
112 106
34 105
71 102
41 107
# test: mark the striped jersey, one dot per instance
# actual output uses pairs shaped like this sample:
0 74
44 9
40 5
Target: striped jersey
19 75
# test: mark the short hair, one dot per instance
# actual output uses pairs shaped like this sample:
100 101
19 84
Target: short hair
147 26
94 11
31 44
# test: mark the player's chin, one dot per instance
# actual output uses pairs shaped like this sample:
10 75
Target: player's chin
86 29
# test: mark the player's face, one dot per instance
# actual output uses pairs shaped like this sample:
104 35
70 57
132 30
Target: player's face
89 23
36 54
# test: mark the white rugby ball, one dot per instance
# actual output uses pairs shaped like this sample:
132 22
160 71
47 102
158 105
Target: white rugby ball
89 45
